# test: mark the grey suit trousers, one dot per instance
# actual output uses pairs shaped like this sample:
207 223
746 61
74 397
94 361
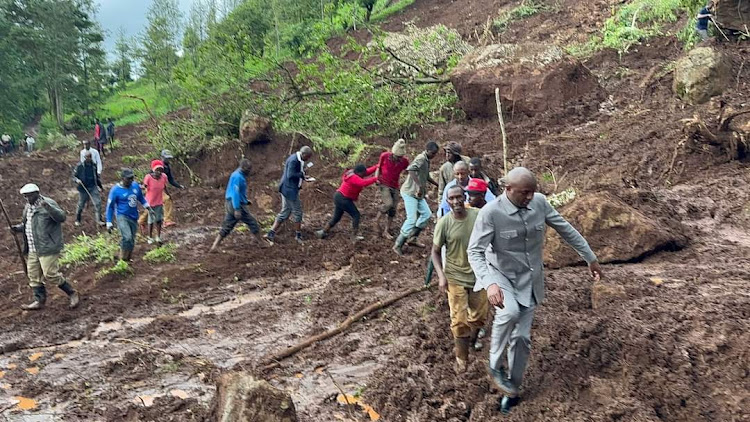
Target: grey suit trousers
512 328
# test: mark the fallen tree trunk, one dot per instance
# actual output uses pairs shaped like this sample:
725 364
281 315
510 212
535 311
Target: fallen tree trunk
274 360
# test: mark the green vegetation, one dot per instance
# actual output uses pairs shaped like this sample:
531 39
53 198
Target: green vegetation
639 20
121 268
98 249
562 198
126 110
164 253
526 9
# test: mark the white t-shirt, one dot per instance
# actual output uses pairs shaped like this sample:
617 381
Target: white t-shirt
30 140
95 157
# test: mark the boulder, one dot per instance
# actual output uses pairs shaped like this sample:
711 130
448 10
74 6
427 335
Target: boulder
242 398
532 78
732 14
254 128
615 231
701 74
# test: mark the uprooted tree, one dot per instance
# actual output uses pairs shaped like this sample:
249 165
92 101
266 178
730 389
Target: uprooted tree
730 134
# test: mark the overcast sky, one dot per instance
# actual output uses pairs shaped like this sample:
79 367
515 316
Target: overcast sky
129 14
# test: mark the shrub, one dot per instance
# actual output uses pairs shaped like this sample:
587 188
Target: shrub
164 253
98 249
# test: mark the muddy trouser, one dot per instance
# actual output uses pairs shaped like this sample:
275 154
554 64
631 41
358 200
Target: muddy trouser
291 207
390 198
344 205
703 34
417 214
230 221
468 310
43 268
512 328
168 208
128 228
95 198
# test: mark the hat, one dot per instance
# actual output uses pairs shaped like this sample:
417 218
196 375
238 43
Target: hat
155 164
453 148
399 148
165 153
127 173
29 188
477 185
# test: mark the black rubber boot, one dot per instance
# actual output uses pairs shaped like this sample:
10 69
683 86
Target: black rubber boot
412 241
398 246
72 294
40 297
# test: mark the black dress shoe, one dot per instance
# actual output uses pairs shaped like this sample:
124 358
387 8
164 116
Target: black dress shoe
506 403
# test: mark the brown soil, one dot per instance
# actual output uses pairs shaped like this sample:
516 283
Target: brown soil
674 348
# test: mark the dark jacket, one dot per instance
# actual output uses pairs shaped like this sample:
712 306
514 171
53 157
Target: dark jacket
168 172
289 185
46 227
88 175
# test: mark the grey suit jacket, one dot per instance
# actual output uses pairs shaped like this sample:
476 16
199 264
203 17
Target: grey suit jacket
515 261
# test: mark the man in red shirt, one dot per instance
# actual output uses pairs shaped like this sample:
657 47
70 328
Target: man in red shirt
390 166
352 183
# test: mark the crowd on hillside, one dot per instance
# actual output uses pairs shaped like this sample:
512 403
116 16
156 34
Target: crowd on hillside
486 248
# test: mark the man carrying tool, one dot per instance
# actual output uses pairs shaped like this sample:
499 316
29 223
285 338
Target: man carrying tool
42 232
452 156
413 193
123 201
390 166
89 187
468 309
289 187
95 157
352 183
461 178
156 190
477 172
237 205
512 271
701 22
110 132
166 157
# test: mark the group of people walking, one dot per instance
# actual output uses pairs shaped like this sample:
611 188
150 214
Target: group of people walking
8 144
486 249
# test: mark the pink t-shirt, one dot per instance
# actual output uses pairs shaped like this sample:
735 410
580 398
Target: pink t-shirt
155 189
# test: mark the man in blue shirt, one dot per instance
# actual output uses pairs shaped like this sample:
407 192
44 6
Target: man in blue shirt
701 25
236 205
461 178
123 200
290 185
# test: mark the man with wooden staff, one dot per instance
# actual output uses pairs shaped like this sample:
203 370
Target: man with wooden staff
512 270
89 187
42 233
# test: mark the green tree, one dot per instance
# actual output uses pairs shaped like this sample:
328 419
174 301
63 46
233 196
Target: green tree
242 33
123 65
159 43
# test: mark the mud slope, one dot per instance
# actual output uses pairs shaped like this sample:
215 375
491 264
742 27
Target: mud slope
149 347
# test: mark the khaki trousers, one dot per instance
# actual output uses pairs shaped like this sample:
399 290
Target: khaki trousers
44 267
468 310
168 209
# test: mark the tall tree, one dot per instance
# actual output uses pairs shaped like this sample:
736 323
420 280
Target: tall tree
160 42
123 65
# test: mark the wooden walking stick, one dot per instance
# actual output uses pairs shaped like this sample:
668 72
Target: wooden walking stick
502 128
15 239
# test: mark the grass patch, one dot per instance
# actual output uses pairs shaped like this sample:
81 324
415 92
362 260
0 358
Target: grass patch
121 268
164 253
524 10
98 249
382 13
127 111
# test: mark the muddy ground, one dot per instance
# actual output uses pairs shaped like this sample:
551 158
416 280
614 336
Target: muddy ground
149 347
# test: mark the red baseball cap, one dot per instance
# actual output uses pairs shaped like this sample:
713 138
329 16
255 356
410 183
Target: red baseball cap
477 185
157 164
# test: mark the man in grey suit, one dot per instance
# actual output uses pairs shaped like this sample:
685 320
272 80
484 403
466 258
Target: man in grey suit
512 270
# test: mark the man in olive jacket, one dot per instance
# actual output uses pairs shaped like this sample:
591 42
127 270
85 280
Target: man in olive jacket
43 242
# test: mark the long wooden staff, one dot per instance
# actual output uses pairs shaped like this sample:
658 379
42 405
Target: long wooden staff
18 245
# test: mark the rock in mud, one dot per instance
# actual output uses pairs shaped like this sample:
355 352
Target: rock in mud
240 397
701 74
254 128
532 78
616 232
